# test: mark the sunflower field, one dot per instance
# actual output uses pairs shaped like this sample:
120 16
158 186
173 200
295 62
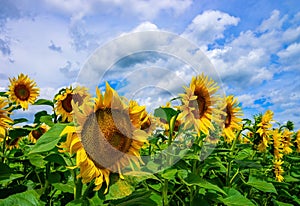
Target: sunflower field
103 149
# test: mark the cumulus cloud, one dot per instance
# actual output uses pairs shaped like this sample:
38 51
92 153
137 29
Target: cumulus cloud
209 26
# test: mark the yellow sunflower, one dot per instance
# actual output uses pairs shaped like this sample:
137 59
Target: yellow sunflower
264 130
278 170
233 122
108 137
64 101
277 144
23 91
286 140
198 102
12 143
34 135
297 141
5 121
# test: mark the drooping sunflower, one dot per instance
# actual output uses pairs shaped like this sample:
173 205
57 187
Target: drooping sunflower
23 91
108 137
12 143
198 104
34 135
264 130
277 144
297 141
278 170
233 122
5 121
287 141
64 101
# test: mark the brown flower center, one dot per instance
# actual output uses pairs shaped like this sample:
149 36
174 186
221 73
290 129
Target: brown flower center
38 133
228 117
66 103
22 92
106 136
202 103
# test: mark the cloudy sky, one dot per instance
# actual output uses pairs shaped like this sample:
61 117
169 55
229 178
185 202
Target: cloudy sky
253 48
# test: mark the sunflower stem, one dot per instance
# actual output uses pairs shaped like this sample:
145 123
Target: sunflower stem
86 192
78 189
229 164
165 193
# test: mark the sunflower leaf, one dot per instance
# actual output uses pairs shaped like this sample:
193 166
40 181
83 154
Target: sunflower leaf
28 198
44 102
20 120
48 140
165 113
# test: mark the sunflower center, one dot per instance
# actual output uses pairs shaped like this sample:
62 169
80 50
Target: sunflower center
228 117
201 103
22 92
77 98
106 136
66 103
38 133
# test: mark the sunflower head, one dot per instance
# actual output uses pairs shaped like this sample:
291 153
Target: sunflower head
23 91
198 104
34 135
12 143
232 119
64 100
5 121
109 136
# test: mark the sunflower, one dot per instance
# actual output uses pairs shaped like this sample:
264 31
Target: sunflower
232 120
5 121
64 101
278 170
109 136
12 143
198 104
23 91
297 141
264 130
277 144
286 140
34 135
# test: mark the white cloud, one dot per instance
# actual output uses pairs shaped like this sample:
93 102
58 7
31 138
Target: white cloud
289 57
141 9
209 26
145 26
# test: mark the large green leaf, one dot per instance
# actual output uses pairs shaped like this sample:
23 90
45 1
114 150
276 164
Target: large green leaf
28 198
278 203
44 102
6 174
63 187
193 179
236 199
37 160
47 119
169 174
56 158
261 185
20 120
18 132
119 189
49 139
165 113
138 197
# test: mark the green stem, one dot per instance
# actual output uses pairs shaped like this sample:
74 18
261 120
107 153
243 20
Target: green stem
229 164
165 193
86 192
78 189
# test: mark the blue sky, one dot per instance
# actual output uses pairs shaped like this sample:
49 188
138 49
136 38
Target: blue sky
254 47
